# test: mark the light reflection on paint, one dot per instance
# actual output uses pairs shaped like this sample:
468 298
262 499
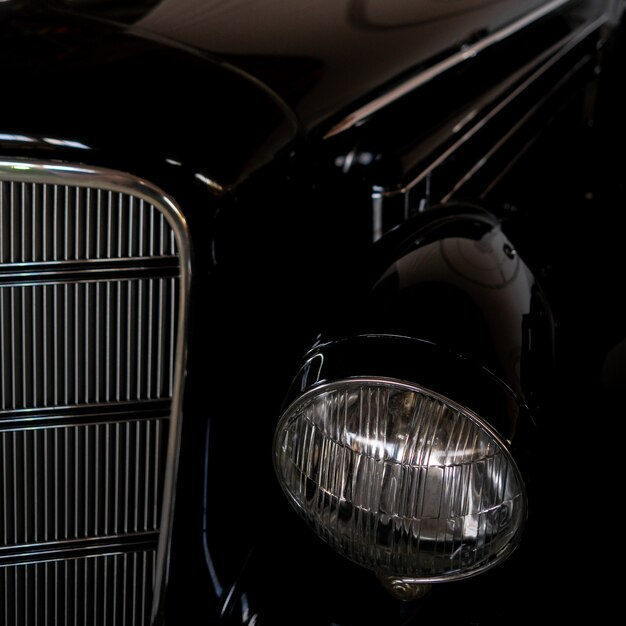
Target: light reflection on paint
66 143
12 137
210 183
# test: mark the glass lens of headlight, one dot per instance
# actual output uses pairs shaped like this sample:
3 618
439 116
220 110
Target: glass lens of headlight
399 479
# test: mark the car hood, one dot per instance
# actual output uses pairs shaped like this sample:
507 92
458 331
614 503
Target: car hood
323 56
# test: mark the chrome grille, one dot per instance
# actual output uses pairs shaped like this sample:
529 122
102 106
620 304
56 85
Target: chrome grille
93 294
86 342
57 222
69 482
96 591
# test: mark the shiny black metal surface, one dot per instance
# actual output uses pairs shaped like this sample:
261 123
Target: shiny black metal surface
324 57
307 226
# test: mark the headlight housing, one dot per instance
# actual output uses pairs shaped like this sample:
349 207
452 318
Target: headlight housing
400 479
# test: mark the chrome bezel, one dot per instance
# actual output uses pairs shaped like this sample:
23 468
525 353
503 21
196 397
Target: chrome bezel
291 411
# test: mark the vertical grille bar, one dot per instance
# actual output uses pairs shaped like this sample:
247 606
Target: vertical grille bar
79 591
57 222
84 457
57 483
84 370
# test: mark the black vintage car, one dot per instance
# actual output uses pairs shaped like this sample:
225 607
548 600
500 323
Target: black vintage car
311 312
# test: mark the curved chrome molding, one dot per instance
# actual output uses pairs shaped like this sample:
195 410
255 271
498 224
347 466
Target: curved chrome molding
317 388
61 173
549 59
443 66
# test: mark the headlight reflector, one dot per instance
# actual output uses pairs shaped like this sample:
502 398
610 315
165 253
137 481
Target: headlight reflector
400 479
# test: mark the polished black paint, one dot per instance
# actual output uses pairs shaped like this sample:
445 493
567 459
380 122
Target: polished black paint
451 280
135 99
324 57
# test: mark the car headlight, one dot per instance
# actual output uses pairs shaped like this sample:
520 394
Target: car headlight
400 479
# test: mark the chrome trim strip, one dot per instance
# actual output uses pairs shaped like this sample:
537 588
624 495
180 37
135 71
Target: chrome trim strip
59 173
103 272
87 265
90 413
557 53
511 132
85 546
443 66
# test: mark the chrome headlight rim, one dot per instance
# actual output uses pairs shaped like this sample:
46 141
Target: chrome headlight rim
295 407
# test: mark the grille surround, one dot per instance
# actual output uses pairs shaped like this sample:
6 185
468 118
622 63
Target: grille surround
64 229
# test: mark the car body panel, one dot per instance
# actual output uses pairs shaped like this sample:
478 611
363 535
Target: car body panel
322 57
313 150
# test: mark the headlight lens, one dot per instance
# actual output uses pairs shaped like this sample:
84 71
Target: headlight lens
400 479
